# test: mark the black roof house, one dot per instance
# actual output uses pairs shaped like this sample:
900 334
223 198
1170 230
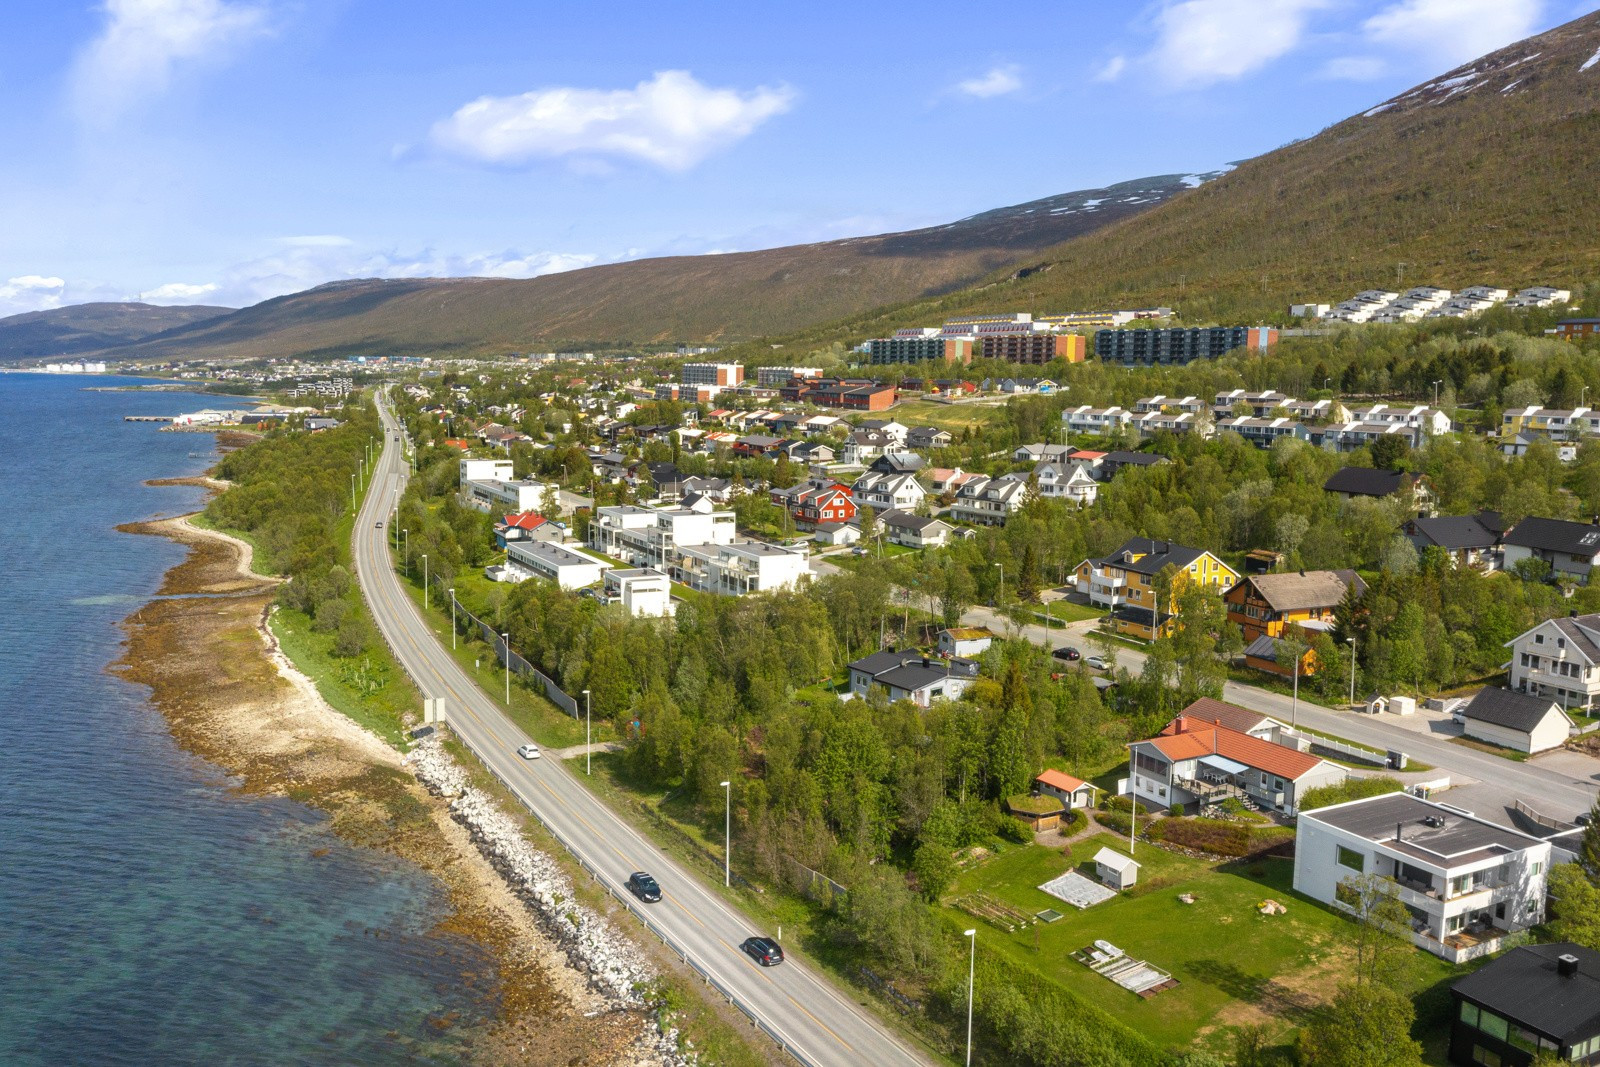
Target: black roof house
1535 996
1556 535
1365 481
1508 708
1457 533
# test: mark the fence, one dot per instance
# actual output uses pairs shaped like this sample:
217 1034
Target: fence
817 885
1540 819
466 621
1342 748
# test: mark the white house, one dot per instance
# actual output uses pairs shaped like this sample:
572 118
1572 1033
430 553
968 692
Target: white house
989 500
1559 659
1091 420
912 676
1072 792
1467 882
1515 720
642 591
1072 482
915 531
566 567
651 536
1193 764
886 491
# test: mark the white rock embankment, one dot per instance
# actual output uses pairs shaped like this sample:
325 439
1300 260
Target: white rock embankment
615 969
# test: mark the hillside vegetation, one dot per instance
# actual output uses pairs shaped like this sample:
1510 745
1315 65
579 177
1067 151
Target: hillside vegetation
84 328
1457 182
654 301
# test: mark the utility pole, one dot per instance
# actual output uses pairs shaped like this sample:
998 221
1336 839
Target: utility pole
972 968
727 834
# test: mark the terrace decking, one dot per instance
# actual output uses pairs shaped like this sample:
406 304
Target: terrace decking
1136 976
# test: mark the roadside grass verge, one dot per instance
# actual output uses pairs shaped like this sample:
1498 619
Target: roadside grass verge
370 689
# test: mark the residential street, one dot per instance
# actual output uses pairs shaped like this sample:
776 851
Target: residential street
1558 784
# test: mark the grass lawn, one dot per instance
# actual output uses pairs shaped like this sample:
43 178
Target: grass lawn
952 417
371 689
1234 965
1493 750
1062 611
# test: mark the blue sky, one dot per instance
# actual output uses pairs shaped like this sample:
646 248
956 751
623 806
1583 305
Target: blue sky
226 151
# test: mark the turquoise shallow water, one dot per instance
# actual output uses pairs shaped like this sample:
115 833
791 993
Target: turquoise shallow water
148 914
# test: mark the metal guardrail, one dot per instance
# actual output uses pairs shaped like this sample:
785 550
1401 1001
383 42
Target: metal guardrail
1542 819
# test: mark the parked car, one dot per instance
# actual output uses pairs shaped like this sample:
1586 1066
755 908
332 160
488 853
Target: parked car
1067 653
378 525
1096 662
1459 716
763 950
528 751
644 887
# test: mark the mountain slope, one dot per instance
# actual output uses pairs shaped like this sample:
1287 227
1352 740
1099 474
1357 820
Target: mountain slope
1486 174
682 298
83 328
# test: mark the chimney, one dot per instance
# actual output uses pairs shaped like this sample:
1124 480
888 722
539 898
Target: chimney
925 662
1398 836
1567 965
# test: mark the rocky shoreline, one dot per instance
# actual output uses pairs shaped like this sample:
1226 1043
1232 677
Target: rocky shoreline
564 991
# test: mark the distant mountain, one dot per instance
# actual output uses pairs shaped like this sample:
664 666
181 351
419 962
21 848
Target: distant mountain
84 328
709 298
1485 174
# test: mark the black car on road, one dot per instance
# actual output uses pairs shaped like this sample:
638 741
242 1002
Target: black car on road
763 950
644 887
1068 653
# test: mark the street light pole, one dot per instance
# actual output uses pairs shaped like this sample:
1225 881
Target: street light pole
1352 670
1000 597
506 638
353 492
1436 393
1294 708
424 581
407 534
972 970
452 618
588 736
727 833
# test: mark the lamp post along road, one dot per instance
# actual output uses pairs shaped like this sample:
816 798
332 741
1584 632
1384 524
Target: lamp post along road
1352 642
588 736
506 638
452 618
727 833
424 581
972 970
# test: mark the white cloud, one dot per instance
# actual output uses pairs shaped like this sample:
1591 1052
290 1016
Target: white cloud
144 42
30 292
1202 42
1453 31
1112 69
177 293
1000 81
671 121
1354 68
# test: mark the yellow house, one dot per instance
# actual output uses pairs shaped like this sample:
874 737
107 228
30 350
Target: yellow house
1557 424
1126 581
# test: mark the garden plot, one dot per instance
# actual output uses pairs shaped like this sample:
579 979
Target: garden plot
1077 890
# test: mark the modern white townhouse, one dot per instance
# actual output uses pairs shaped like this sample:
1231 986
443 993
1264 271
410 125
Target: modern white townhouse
499 470
1261 405
642 591
1467 882
1317 410
1263 432
1091 420
739 567
1428 420
1191 405
1349 436
1154 422
652 537
568 568
494 495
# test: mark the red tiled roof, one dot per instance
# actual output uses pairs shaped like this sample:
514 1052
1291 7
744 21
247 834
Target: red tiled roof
1058 780
528 520
1084 453
1220 713
458 443
1191 739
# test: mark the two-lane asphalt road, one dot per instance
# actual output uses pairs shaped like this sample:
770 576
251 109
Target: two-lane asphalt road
802 1010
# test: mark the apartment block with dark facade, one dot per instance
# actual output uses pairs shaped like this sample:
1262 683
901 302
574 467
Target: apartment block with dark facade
1036 349
891 350
1179 345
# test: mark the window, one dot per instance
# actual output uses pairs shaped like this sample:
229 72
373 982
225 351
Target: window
1349 857
1469 1014
1492 1024
1538 639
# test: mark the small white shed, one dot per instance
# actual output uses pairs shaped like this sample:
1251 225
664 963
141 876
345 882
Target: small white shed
1115 869
1519 721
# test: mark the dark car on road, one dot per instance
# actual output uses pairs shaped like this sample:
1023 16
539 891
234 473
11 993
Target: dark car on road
1068 653
763 950
644 887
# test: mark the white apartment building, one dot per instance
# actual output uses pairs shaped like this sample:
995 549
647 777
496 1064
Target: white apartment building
492 494
1467 882
1540 296
1263 432
1190 404
1559 659
1349 436
740 567
1261 405
566 567
989 500
652 537
641 591
474 470
1154 422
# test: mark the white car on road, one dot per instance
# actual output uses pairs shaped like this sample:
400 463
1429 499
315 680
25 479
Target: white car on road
528 751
